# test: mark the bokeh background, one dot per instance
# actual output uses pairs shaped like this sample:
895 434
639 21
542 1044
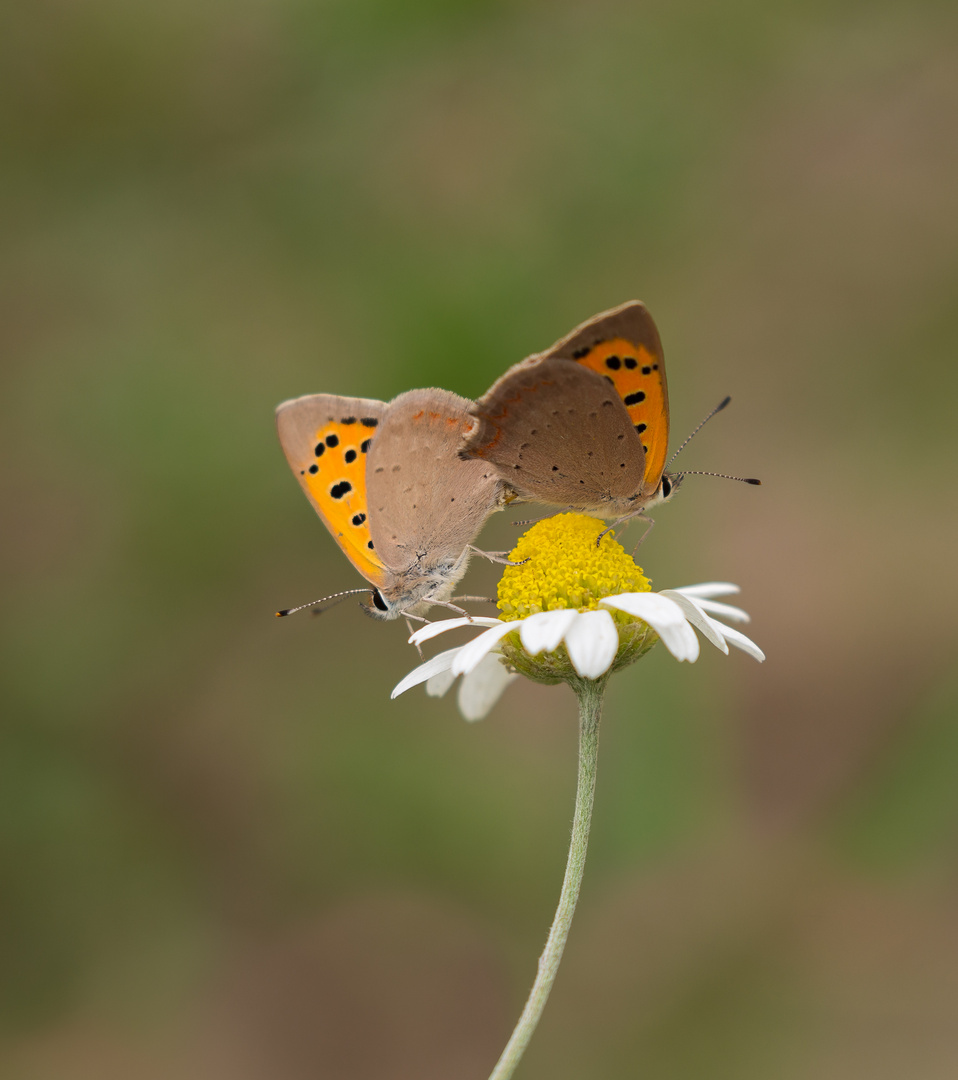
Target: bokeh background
223 851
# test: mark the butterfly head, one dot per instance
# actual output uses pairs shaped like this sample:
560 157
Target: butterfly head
668 486
416 590
379 607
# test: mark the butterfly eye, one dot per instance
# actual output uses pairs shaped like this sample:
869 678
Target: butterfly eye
666 487
378 602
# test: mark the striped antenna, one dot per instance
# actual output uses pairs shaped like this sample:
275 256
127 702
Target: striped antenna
718 408
724 476
337 598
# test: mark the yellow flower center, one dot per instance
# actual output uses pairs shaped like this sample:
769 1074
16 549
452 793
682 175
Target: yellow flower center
563 567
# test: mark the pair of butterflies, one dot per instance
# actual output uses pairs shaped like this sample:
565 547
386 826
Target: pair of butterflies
405 486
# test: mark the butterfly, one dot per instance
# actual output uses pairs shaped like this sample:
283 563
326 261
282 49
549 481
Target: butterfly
387 482
585 424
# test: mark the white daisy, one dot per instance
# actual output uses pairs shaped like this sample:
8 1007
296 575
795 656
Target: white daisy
575 608
591 639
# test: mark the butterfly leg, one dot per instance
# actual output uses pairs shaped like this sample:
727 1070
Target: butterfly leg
452 607
651 522
473 599
624 521
535 521
411 631
496 556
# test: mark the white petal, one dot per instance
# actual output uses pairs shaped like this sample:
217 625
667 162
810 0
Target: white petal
438 664
592 641
709 628
543 632
470 655
431 630
710 589
481 688
736 614
740 641
665 617
439 684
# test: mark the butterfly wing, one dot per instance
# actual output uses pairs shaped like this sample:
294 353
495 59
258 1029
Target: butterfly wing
559 434
326 440
426 505
593 459
623 345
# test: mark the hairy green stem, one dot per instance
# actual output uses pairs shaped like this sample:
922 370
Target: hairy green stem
590 694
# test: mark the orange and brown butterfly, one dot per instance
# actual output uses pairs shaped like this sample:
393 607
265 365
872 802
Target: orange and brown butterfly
386 481
584 424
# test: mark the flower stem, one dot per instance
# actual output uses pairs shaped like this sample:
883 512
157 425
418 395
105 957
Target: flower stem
590 693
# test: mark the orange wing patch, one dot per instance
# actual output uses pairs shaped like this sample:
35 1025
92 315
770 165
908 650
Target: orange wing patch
639 379
336 482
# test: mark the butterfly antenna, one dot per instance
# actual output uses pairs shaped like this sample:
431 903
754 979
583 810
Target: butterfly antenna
337 598
724 476
718 408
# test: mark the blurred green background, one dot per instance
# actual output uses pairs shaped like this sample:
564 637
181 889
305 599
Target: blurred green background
223 851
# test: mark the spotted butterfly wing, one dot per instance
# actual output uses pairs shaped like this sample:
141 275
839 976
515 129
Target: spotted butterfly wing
326 440
623 346
389 485
584 424
426 505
